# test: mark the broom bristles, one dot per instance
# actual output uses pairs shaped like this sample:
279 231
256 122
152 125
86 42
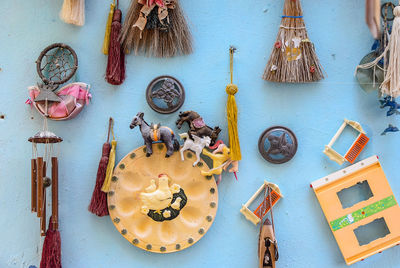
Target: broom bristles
291 62
98 203
154 42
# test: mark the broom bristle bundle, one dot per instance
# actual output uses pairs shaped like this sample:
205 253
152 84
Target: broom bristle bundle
115 73
157 42
293 58
98 203
73 12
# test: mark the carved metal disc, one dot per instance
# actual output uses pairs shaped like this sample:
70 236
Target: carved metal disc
277 144
165 94
57 64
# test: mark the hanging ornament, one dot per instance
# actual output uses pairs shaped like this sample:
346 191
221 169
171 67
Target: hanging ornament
56 65
115 73
231 111
156 28
106 42
51 253
111 161
98 203
293 58
73 12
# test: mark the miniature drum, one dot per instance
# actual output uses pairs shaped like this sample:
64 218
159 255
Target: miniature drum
162 204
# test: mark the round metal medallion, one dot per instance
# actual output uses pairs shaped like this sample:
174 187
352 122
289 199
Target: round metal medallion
165 94
277 144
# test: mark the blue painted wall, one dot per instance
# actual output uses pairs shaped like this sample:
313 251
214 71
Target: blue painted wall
312 111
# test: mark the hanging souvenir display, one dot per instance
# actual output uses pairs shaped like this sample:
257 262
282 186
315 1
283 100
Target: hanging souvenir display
51 253
56 65
165 94
232 114
115 73
73 12
351 218
169 205
267 244
293 58
277 144
154 133
98 203
156 28
197 126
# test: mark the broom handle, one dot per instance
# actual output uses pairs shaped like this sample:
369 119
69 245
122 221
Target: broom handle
39 186
54 192
33 185
43 205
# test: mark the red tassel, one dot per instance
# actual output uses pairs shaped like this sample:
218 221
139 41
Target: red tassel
115 73
98 204
51 253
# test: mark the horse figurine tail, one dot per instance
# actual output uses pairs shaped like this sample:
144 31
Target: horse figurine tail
177 146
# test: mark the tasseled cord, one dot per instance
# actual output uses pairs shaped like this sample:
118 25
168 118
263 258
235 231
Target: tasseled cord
73 12
115 73
51 253
111 164
106 42
98 203
232 89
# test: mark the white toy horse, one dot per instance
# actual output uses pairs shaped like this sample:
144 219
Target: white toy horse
196 145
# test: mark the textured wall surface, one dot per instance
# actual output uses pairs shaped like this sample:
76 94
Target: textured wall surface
312 111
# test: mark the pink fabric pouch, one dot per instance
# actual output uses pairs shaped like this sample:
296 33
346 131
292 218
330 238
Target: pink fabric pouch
73 97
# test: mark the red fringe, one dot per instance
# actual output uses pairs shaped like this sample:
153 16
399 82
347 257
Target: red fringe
51 253
98 204
115 73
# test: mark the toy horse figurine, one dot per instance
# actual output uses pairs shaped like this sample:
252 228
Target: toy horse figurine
197 126
196 145
154 133
221 161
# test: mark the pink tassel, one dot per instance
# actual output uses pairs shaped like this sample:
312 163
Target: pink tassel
51 253
115 73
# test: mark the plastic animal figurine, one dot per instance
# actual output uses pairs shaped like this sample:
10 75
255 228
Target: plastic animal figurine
221 161
196 145
155 133
392 104
197 126
159 198
390 128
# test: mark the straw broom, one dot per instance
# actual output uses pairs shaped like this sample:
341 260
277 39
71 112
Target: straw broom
293 58
147 32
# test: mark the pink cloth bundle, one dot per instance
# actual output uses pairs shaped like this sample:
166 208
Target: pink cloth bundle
73 97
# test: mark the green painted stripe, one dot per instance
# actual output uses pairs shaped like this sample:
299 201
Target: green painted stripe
363 213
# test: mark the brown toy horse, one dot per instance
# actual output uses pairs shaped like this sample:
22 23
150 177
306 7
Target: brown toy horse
197 126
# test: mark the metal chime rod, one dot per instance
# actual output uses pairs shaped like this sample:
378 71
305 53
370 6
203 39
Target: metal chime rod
39 186
33 185
54 192
43 204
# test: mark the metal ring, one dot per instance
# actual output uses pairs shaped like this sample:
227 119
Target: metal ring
73 68
387 6
282 144
165 94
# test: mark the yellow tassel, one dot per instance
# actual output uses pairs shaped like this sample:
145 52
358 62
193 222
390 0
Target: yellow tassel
111 164
106 42
231 112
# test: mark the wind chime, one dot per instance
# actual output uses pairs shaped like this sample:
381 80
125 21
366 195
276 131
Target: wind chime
56 65
156 28
293 58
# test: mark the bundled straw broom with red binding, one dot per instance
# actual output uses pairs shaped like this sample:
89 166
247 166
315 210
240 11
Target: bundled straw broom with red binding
156 28
293 58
